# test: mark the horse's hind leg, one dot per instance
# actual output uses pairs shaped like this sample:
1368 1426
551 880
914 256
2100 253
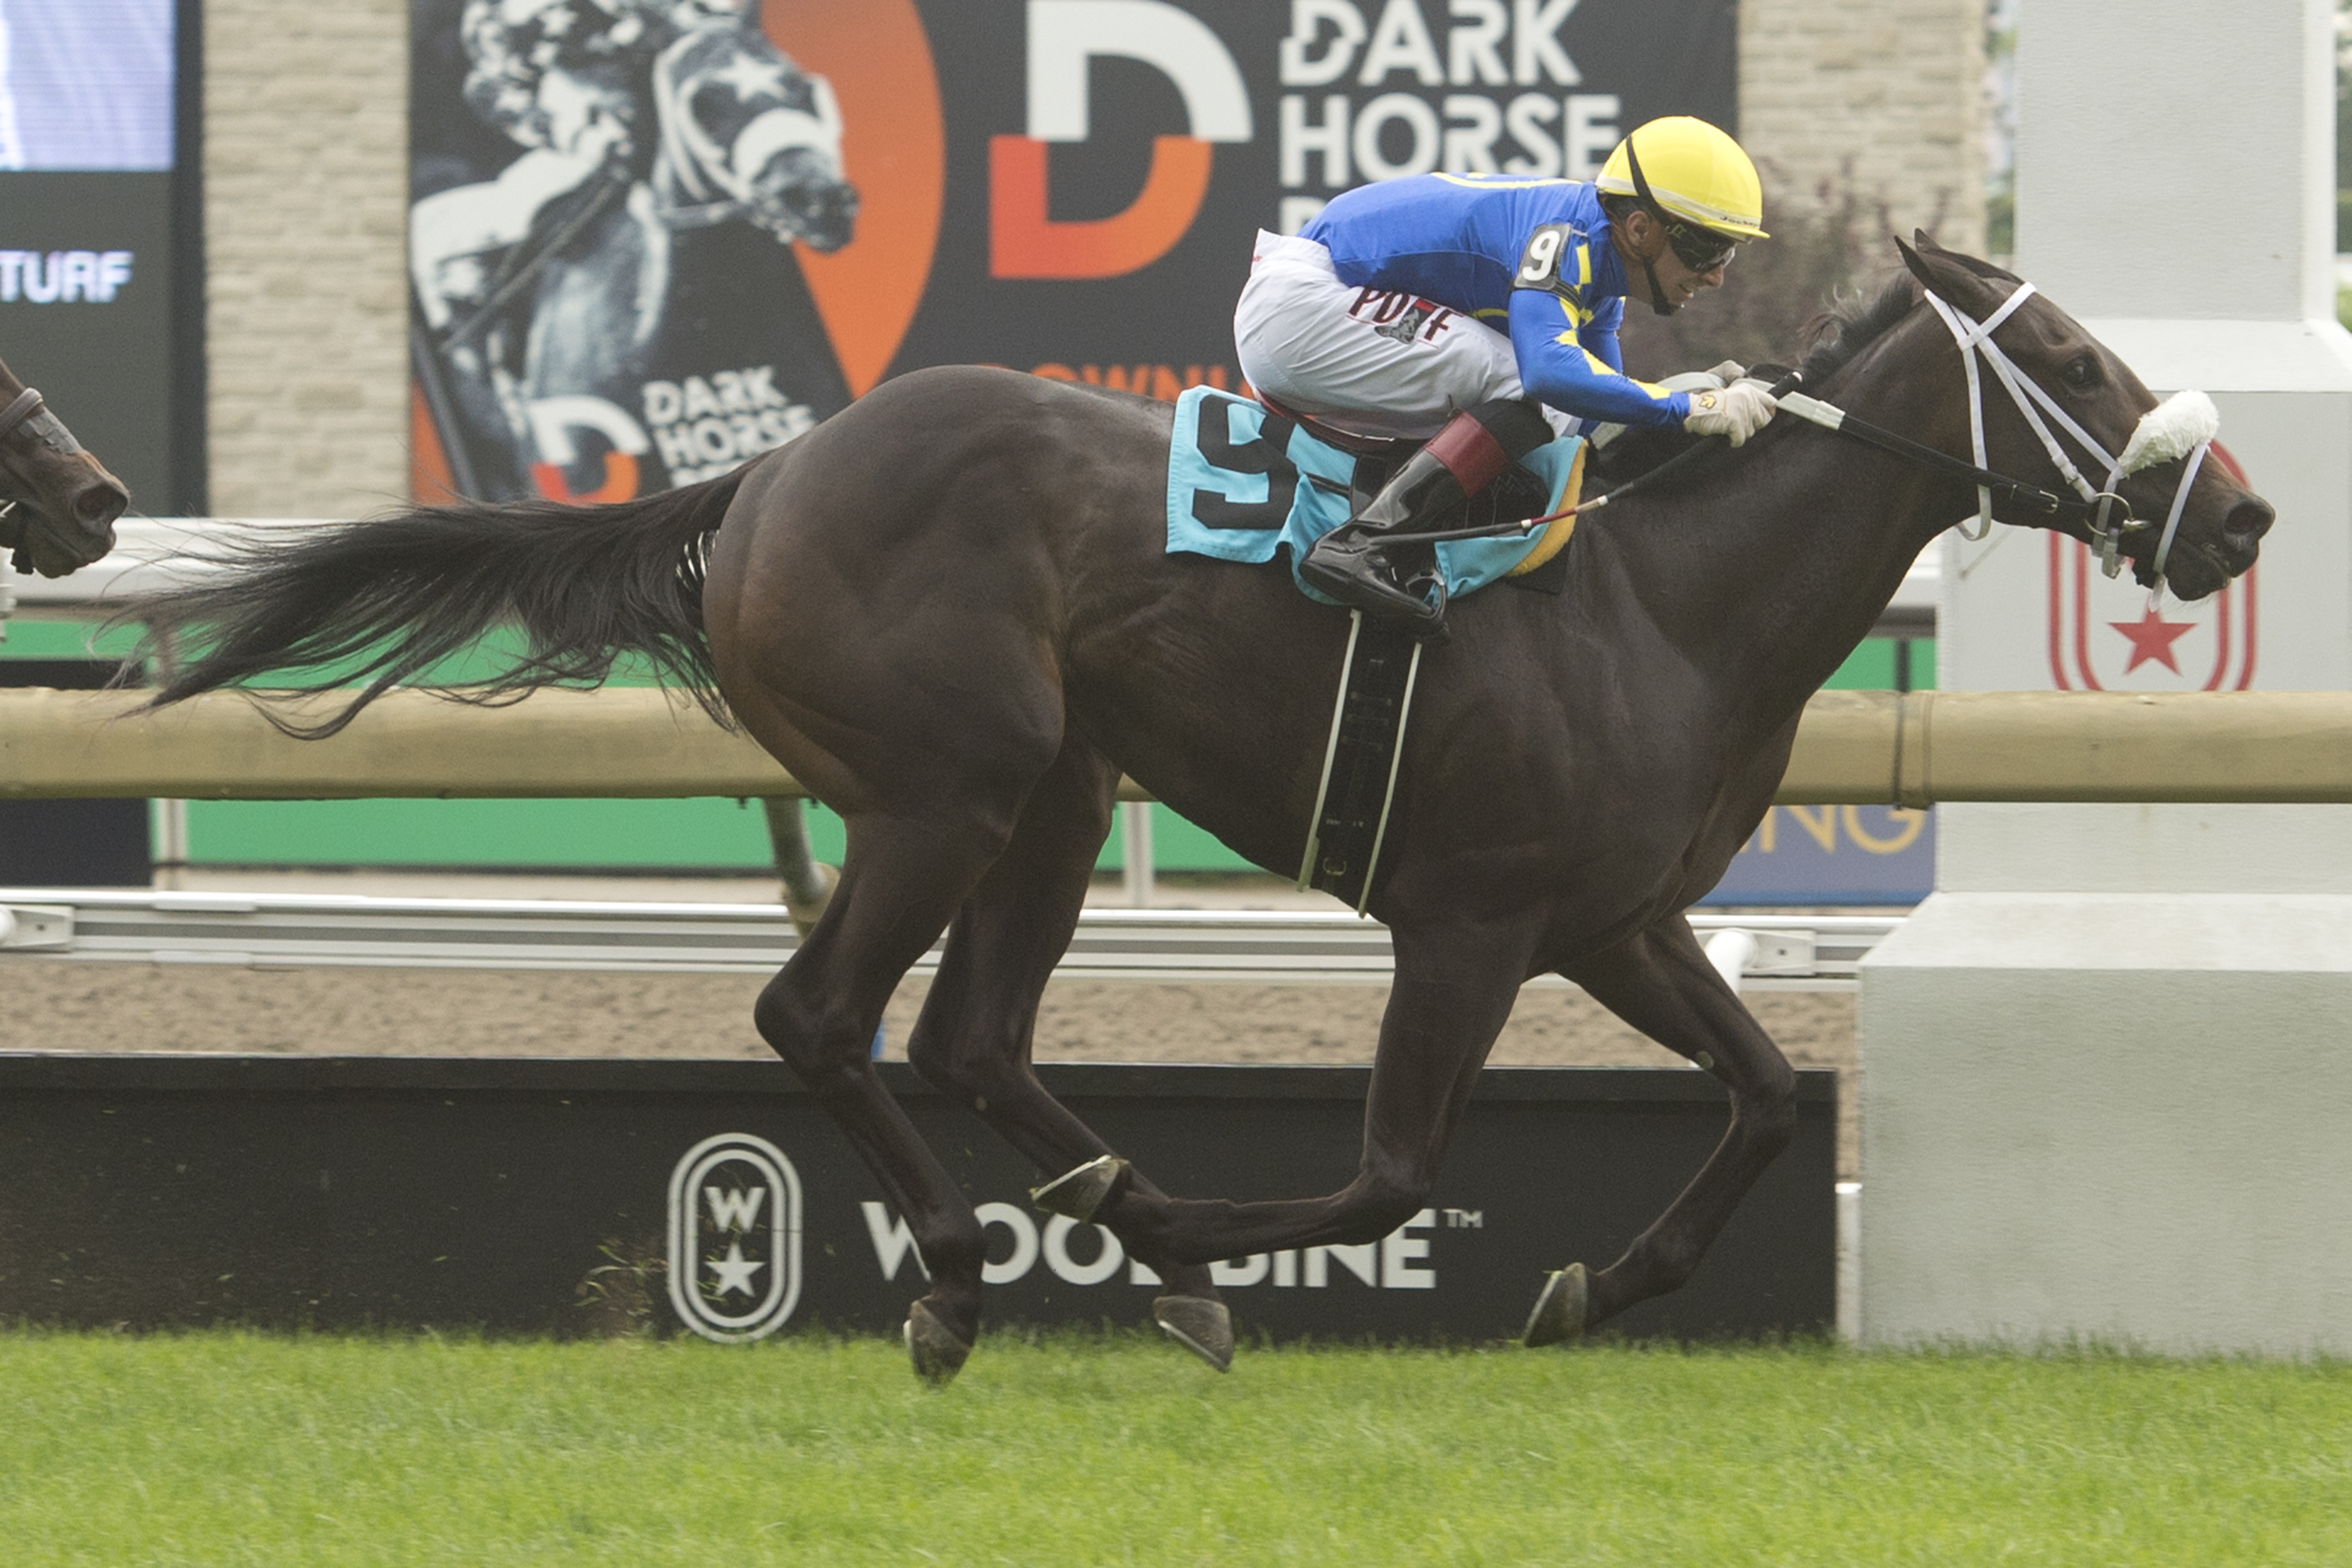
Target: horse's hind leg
1662 984
901 880
1453 989
975 1034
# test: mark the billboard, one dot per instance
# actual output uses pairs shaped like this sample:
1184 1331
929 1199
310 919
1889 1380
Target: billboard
100 282
651 238
530 1195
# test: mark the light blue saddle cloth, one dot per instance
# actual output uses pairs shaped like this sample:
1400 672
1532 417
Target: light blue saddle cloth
1244 481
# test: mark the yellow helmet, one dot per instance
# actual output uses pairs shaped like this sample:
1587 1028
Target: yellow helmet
1694 171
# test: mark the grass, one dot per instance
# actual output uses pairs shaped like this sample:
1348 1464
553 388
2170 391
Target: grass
229 1449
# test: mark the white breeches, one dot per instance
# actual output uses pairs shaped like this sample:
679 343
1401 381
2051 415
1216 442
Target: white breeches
1367 361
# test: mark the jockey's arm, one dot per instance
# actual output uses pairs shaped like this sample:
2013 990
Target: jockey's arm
1569 358
450 232
1600 335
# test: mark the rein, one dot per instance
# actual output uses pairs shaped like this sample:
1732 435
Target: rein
2182 425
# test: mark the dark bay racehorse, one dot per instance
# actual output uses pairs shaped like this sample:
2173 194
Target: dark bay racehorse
949 612
57 503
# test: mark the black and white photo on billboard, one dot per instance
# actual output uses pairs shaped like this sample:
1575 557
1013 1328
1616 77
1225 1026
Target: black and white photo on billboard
605 195
86 84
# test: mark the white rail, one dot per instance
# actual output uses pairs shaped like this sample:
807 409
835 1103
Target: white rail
1806 952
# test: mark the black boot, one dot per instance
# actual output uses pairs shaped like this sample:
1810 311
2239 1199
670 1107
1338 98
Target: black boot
1356 564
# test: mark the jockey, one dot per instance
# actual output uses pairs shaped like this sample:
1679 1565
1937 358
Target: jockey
1478 314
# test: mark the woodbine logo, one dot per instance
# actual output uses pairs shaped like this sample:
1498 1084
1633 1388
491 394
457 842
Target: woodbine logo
63 277
734 1238
1078 1254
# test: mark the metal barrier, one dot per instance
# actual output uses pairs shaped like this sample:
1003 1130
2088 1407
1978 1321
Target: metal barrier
1779 953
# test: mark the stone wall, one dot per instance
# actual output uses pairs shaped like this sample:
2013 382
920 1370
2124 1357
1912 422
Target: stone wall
306 129
1887 93
306 184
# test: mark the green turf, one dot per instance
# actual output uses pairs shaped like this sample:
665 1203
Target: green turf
225 1449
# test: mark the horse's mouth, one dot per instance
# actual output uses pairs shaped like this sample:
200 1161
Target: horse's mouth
38 548
2191 572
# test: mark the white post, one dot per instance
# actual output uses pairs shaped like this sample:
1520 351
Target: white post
169 823
1135 829
2106 1062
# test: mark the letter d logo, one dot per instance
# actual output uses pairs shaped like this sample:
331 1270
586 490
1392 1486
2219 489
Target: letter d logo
1064 36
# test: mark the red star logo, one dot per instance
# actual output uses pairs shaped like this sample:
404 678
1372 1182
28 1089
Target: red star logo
2152 637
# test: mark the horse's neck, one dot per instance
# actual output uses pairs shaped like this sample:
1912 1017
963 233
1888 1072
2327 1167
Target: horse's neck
1770 576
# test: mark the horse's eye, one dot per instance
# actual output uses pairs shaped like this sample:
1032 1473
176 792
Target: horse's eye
2082 374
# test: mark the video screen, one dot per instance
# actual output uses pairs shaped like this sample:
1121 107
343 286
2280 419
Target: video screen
86 84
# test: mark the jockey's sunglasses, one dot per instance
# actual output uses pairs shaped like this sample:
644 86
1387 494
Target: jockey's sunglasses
1697 249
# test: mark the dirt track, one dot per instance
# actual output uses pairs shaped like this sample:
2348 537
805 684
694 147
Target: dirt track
129 1007
87 1006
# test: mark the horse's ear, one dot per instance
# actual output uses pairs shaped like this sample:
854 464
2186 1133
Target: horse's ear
1943 274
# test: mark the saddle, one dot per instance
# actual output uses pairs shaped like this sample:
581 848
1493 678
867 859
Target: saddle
1516 497
1249 479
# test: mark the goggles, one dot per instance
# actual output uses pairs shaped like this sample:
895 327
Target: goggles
1698 249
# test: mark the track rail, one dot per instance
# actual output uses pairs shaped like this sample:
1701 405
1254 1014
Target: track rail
1811 953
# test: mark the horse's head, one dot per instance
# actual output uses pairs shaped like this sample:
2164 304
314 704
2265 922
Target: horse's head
2199 536
799 194
60 503
797 187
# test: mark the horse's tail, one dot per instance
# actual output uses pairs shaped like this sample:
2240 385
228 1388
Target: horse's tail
378 603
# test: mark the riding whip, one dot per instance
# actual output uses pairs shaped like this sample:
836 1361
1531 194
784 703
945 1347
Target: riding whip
1778 389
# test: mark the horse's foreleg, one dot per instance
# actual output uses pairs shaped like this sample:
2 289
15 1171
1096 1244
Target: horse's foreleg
902 882
974 1036
1662 984
1452 994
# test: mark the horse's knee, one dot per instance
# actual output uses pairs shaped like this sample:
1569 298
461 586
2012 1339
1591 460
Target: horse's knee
814 1041
957 1068
958 1077
1768 1110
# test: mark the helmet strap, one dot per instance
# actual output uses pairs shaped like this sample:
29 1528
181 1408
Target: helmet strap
1650 205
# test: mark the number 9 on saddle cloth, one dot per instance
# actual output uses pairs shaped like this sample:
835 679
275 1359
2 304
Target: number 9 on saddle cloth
1244 481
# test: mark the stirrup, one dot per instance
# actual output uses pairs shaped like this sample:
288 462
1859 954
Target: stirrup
1422 616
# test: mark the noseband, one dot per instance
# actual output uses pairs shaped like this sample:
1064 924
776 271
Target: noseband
28 413
22 408
2182 425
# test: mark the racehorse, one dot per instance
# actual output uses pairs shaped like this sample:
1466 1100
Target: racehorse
949 611
57 503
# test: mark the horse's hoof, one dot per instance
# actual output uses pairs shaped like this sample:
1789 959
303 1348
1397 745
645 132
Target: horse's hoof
1559 1312
1078 1193
1202 1326
938 1353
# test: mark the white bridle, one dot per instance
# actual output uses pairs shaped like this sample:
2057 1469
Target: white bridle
2182 425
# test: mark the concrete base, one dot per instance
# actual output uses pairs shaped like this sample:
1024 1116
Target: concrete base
2126 1117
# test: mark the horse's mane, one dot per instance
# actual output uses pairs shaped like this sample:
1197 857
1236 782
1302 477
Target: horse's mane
1833 340
1837 336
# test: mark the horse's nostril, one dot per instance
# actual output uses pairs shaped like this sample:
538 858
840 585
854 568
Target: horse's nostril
2247 521
97 506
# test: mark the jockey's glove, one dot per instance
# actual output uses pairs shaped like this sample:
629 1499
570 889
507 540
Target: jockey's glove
1737 412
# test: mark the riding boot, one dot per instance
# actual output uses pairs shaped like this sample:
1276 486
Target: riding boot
1362 566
